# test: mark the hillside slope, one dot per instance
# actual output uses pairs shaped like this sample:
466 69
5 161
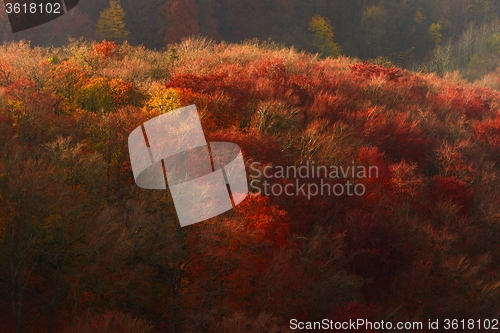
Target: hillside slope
80 242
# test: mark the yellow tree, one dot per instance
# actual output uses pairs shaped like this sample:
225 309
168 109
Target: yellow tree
111 24
323 36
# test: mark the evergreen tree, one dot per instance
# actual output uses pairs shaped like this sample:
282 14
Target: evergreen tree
323 36
111 24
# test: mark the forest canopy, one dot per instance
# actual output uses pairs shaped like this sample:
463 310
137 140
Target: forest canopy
83 249
399 98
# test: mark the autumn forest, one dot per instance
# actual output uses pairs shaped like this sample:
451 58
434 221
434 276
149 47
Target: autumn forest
408 88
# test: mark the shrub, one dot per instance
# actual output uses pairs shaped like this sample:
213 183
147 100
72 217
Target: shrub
162 100
95 96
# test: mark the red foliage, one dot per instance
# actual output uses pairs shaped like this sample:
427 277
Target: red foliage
369 70
222 96
236 253
106 49
398 138
461 100
255 145
32 111
301 90
488 133
123 93
452 190
66 78
269 222
376 186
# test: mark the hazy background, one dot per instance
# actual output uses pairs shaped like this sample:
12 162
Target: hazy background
434 35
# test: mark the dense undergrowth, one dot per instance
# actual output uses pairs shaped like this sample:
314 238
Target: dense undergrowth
83 248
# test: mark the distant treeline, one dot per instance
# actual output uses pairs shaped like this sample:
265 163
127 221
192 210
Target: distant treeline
404 32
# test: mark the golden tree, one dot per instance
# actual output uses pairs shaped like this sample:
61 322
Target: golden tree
323 36
111 24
